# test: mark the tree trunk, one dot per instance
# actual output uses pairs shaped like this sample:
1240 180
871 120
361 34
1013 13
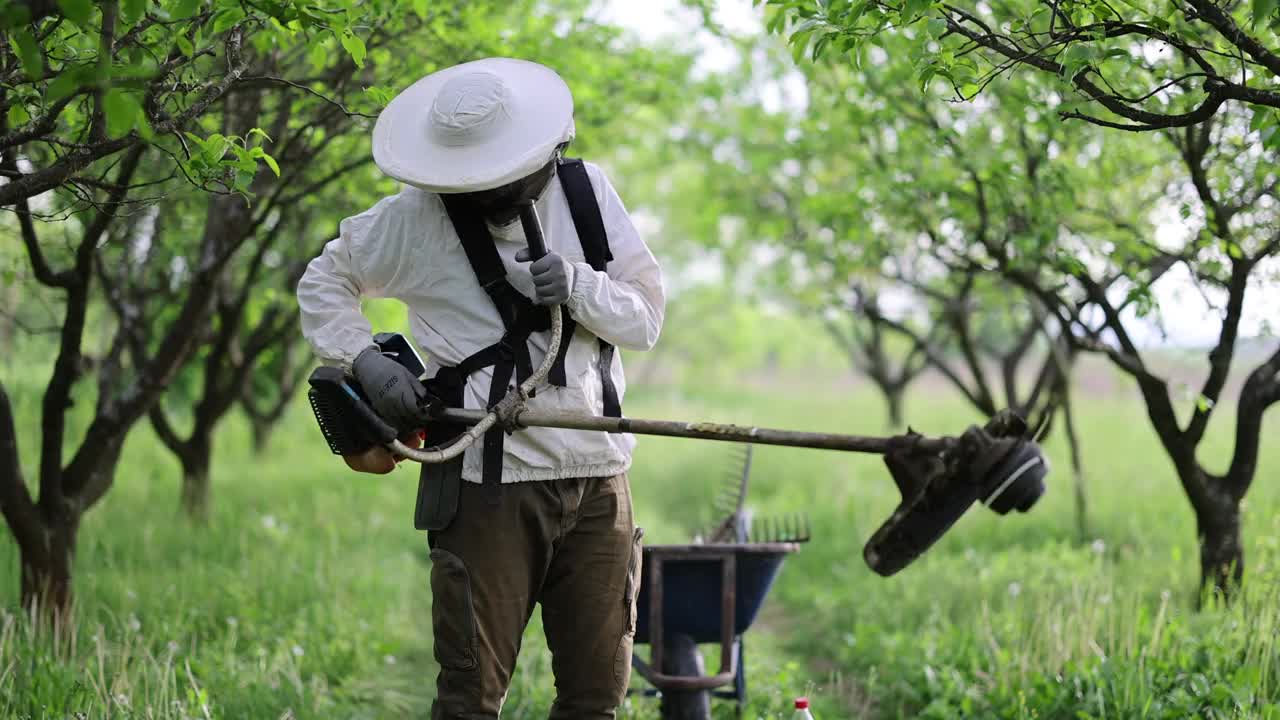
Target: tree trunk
195 476
1077 468
262 429
893 403
46 569
1221 549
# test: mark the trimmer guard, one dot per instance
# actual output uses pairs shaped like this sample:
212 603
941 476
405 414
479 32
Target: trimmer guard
996 464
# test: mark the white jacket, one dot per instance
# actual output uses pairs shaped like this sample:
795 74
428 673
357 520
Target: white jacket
405 247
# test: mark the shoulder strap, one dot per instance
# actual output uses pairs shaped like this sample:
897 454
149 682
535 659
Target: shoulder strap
595 248
585 211
518 312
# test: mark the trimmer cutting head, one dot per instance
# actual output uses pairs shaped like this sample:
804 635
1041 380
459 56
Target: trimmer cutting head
997 465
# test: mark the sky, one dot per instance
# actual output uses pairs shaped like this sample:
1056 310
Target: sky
1186 318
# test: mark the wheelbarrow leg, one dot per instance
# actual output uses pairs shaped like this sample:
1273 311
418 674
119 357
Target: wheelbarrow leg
681 657
740 682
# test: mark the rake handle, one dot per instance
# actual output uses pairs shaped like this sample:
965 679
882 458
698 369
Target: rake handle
702 431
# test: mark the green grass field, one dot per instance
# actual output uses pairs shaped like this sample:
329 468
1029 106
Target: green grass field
306 596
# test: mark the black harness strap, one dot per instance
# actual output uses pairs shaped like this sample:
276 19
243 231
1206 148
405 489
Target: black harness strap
521 316
595 247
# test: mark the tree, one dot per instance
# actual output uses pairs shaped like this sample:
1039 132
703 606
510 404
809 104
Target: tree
1232 182
1063 211
1139 66
82 82
96 102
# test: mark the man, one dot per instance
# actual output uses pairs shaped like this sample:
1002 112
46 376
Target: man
543 516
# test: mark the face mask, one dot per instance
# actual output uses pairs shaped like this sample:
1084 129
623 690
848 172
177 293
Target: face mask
501 205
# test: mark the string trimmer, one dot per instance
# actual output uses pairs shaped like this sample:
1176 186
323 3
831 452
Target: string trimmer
940 478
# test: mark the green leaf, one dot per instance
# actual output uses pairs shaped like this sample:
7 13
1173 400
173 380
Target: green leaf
243 179
29 53
420 9
131 11
318 54
123 112
77 11
355 46
1262 11
185 8
226 19
820 45
1233 249
184 45
379 94
64 84
214 148
936 27
912 9
1261 117
1204 404
926 75
271 163
18 116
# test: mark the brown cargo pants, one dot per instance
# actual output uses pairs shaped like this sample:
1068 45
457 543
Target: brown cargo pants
571 545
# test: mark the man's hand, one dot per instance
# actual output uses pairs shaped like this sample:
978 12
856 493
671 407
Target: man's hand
552 277
378 459
396 394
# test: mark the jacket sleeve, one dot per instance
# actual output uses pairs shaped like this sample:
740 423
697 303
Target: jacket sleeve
625 305
330 290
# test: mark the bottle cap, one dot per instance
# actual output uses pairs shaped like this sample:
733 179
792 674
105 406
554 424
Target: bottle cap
802 703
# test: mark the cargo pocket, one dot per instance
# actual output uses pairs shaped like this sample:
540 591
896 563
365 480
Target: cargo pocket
622 657
453 618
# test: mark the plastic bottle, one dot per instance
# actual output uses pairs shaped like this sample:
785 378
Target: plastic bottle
802 709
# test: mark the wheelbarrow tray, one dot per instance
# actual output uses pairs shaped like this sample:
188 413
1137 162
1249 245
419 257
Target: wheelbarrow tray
692 592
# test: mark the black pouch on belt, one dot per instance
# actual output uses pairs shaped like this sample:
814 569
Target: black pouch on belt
439 484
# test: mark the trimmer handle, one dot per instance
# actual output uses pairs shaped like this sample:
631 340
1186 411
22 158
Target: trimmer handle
533 231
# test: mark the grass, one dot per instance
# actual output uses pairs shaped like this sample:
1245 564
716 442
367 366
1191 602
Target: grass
306 596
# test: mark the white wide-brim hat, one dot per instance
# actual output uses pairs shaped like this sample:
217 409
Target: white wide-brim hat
474 126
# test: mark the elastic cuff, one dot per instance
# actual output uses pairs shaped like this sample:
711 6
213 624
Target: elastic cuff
582 285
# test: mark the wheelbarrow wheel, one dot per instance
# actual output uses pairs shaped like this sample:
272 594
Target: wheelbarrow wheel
681 657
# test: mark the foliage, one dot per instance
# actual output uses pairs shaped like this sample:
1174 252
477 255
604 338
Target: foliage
84 81
1134 65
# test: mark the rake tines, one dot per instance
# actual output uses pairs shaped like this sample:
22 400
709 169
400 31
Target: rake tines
793 528
729 500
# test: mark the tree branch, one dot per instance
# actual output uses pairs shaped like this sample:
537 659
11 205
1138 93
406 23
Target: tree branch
15 500
164 430
1224 24
1260 391
1221 355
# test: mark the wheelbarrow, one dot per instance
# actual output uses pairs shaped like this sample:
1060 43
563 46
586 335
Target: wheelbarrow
696 594
709 592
